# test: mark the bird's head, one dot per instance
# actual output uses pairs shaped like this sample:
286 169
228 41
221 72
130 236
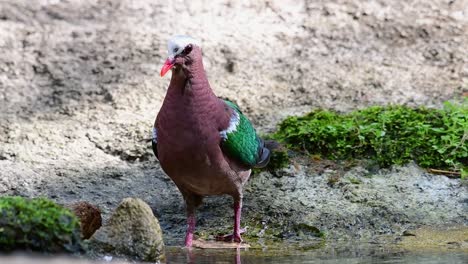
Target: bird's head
179 49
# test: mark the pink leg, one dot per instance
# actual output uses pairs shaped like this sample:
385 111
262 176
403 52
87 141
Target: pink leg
236 236
237 218
190 229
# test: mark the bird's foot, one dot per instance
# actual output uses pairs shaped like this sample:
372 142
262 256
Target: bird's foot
232 237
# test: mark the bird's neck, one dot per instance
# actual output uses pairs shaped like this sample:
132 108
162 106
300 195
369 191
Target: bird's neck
190 80
190 98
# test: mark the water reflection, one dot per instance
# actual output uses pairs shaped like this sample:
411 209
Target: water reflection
257 256
192 255
246 256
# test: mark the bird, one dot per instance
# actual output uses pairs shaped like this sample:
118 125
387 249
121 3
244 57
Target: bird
205 144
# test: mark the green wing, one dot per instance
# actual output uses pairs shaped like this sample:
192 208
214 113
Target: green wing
240 140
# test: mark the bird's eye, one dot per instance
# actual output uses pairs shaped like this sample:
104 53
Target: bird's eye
175 50
187 49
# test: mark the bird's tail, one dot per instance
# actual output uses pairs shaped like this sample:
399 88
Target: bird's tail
264 152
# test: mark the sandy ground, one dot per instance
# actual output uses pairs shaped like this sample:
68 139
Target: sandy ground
79 91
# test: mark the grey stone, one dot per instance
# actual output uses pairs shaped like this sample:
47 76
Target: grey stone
132 230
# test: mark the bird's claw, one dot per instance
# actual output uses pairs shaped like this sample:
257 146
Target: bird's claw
237 238
232 237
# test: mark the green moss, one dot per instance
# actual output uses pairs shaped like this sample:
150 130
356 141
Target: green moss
464 173
354 180
307 230
37 224
276 232
434 138
279 159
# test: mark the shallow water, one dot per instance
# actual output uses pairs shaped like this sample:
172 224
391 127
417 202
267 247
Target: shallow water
221 256
240 256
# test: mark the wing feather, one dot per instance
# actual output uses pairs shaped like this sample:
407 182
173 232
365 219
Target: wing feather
240 140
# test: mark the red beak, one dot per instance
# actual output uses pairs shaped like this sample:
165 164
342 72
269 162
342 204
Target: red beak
167 66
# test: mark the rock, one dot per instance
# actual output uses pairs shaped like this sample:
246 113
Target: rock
132 230
206 244
408 233
89 216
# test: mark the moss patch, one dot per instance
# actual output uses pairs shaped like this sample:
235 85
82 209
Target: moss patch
37 224
270 231
434 138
